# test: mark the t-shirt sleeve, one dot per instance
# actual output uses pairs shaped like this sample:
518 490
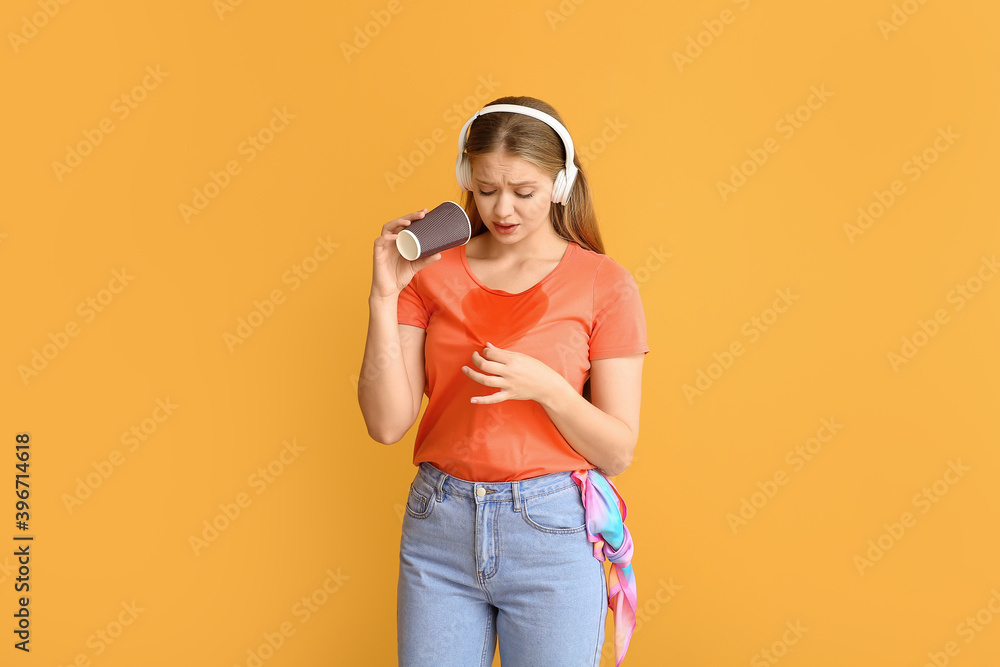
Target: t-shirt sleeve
410 307
619 327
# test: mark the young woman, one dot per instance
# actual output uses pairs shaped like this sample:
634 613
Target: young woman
529 344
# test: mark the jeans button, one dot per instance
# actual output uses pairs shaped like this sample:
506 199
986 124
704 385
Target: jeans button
480 492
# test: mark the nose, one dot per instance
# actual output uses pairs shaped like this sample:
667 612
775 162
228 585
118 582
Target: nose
505 205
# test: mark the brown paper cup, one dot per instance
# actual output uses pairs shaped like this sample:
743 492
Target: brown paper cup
445 226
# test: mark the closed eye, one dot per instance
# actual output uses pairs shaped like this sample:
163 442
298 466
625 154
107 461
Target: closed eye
492 192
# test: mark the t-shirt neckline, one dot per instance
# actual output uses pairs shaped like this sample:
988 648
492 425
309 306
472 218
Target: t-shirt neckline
570 248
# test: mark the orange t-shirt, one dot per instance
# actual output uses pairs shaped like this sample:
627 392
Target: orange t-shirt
586 308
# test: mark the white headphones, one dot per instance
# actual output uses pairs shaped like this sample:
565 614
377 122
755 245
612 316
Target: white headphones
563 186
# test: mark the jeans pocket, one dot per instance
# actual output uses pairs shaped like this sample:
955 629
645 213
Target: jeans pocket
418 502
557 512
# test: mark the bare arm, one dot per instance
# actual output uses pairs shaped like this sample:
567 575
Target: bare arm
391 382
605 430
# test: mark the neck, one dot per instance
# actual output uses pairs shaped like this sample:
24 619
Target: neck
543 244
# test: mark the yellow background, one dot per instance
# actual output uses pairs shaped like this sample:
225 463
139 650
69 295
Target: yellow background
660 137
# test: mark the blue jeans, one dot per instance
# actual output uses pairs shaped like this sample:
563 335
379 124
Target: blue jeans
482 561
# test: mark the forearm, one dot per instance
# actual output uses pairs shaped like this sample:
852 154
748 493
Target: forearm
384 390
602 439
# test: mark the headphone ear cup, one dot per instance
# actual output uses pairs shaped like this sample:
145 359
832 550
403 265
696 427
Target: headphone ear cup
560 194
570 180
463 172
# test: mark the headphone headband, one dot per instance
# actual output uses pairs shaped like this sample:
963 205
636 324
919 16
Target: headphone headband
564 180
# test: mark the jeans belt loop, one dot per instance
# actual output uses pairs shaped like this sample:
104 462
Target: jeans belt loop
440 484
515 488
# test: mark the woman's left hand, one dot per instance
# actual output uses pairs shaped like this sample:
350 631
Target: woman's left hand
518 376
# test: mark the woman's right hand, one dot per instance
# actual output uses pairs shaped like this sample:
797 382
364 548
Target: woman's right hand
390 271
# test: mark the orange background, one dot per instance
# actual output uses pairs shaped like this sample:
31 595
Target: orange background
658 134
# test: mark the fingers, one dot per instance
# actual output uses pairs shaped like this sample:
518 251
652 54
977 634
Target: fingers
385 251
416 215
386 239
487 379
485 364
497 397
395 226
482 378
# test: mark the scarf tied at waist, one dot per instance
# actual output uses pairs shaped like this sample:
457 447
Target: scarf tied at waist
605 517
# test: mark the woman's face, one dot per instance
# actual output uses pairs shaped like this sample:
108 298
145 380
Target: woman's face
513 197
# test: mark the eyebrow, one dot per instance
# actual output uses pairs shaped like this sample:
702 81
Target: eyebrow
516 185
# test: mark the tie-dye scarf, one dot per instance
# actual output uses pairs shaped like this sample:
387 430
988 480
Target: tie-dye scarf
605 516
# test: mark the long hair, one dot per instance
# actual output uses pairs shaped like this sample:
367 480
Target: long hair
533 140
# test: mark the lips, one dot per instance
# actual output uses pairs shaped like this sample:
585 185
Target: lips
504 228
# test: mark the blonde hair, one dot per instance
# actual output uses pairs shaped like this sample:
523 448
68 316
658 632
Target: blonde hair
533 140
